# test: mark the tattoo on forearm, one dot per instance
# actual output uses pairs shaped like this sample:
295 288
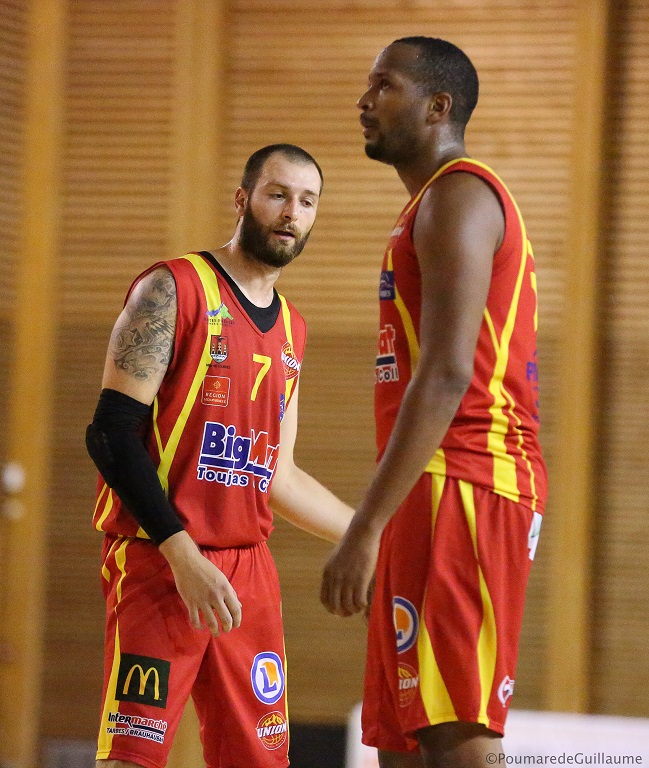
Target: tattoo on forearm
142 343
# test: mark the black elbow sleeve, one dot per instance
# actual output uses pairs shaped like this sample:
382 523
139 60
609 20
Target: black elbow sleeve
114 444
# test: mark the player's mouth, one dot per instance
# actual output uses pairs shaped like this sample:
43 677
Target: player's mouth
285 234
368 124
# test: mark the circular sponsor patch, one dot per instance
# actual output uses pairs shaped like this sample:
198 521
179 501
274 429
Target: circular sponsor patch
272 730
267 677
406 623
408 684
289 361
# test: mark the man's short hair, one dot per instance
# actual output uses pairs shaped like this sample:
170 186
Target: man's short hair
255 164
443 67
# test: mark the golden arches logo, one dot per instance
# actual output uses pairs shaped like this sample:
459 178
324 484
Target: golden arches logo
144 676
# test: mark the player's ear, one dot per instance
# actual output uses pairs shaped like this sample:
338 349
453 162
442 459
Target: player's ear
240 200
439 107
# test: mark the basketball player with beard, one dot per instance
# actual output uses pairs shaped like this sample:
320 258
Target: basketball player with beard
193 437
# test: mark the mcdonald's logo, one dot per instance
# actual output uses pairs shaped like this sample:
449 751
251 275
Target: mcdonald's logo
143 680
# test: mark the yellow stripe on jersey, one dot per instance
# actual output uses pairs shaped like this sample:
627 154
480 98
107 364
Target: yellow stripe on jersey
406 320
108 505
213 296
534 288
434 693
286 316
105 741
487 639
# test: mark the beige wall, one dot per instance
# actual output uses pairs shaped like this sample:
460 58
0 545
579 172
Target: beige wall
139 143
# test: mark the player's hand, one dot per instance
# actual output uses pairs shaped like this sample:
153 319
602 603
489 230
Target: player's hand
203 587
349 571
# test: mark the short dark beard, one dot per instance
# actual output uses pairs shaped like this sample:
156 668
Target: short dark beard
399 149
254 240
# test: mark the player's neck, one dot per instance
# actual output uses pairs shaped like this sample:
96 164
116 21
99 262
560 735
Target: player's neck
418 172
256 280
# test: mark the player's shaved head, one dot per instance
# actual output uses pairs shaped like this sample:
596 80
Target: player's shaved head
257 160
441 66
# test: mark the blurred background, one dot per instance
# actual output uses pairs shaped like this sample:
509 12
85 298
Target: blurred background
124 128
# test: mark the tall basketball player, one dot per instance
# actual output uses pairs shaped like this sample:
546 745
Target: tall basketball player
454 510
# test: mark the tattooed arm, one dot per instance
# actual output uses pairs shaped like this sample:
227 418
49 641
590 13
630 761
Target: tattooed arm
139 352
141 343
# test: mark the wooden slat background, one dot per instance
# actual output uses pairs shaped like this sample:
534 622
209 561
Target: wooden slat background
293 73
116 193
12 105
621 574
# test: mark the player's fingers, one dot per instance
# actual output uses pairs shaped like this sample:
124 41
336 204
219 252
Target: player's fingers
359 596
194 617
234 607
348 601
223 612
210 620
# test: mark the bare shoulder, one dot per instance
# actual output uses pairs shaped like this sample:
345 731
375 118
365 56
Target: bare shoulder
461 205
142 340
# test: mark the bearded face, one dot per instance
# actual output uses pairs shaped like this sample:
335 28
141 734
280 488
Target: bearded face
275 245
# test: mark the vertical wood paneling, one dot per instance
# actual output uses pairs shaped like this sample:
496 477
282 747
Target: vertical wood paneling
569 645
117 176
621 570
29 400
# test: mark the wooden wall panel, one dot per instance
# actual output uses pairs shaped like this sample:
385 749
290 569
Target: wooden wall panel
621 563
12 87
116 169
298 82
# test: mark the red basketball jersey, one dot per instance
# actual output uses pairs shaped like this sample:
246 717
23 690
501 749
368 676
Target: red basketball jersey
493 439
215 425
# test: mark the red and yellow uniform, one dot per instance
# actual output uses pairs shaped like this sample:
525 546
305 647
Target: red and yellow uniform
454 558
214 437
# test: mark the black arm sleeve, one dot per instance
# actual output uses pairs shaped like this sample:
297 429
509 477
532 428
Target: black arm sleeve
114 443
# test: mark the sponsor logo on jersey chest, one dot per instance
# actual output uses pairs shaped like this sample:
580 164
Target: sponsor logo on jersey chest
387 368
289 361
219 348
386 286
216 390
229 458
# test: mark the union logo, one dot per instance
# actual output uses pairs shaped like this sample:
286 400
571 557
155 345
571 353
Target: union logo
272 730
290 362
408 684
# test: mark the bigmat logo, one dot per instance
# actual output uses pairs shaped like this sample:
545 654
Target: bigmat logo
232 459
272 730
143 679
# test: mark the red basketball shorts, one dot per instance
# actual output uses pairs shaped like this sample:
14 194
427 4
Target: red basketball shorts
447 611
155 659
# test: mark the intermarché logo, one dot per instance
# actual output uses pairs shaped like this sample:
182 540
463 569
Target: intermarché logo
143 679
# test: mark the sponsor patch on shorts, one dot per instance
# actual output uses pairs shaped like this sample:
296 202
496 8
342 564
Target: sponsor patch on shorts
272 730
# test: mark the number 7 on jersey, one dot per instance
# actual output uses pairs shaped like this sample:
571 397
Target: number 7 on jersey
265 362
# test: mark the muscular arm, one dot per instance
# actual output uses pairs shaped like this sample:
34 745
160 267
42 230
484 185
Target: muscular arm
300 498
139 353
458 228
141 343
